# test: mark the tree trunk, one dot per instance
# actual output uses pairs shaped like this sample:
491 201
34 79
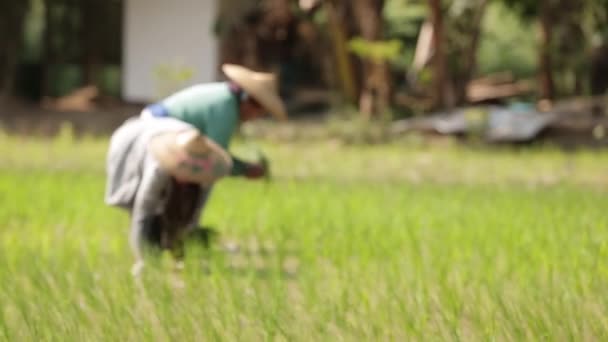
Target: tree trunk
91 14
376 90
440 78
599 70
338 36
547 90
48 55
12 18
470 54
9 71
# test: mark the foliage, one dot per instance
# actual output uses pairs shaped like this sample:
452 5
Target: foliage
377 51
462 30
527 9
365 243
572 36
34 27
403 19
11 30
506 43
596 21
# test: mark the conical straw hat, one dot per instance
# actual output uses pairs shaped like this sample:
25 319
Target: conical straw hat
262 86
190 157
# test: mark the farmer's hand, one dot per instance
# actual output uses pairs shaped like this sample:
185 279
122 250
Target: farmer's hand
256 171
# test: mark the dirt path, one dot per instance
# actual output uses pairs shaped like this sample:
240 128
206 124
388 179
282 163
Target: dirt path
27 119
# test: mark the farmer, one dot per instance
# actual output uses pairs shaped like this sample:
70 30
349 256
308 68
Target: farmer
161 166
215 109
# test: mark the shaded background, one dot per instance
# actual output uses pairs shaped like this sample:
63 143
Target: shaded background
383 60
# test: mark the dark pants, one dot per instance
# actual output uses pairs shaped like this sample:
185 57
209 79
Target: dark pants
152 231
168 230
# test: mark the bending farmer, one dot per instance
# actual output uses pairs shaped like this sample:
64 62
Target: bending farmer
162 165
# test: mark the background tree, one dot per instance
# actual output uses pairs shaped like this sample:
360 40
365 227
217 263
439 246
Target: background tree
456 27
440 75
345 45
567 43
338 14
463 32
12 15
375 97
98 29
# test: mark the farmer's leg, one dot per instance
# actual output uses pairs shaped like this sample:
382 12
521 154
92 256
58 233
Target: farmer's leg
145 241
197 233
152 232
148 236
202 202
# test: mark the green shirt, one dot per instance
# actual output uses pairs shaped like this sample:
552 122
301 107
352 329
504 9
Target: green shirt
211 107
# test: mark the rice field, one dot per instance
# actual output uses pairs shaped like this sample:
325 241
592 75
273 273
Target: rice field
395 242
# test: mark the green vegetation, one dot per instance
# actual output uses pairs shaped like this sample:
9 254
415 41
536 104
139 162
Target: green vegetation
509 43
346 243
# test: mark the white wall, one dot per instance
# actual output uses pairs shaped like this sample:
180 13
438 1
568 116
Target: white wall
174 33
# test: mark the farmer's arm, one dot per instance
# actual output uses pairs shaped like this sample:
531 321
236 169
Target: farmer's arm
147 199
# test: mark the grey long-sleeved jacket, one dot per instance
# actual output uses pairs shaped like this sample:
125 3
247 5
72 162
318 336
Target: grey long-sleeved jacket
135 181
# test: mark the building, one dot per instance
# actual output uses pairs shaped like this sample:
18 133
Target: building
167 45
